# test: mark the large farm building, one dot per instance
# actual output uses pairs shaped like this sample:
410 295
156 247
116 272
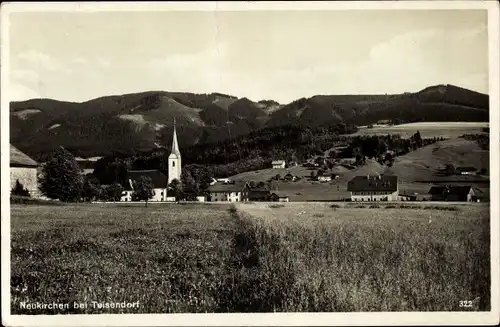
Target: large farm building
374 188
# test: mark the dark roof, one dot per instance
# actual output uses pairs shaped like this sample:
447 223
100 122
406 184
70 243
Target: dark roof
450 190
19 159
279 194
237 186
158 178
259 189
383 183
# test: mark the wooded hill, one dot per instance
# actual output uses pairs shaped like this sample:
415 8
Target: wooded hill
141 121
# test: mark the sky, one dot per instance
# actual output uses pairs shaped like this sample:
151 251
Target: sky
279 55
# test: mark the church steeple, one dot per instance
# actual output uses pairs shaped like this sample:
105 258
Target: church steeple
174 159
175 145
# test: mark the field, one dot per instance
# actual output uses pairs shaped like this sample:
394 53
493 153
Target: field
251 258
427 129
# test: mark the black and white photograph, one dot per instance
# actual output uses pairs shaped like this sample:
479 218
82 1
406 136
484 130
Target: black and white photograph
250 163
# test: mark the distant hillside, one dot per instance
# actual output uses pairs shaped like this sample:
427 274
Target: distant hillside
436 103
129 122
140 121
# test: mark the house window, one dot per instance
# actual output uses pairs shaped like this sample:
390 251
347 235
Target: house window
173 163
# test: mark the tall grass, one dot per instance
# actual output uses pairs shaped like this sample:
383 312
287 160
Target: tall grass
221 259
290 265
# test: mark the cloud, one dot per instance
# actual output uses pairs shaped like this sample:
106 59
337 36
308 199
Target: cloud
104 63
20 92
201 70
25 75
39 59
79 60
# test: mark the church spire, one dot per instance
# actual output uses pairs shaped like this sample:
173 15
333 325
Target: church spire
175 145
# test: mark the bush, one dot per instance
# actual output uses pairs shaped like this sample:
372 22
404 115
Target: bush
19 190
16 199
275 206
334 206
442 208
374 206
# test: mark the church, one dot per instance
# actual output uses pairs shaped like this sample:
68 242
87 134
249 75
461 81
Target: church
160 181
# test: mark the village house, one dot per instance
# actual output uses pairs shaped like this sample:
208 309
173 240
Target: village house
277 164
290 177
279 197
258 194
236 191
452 193
223 180
324 178
87 164
467 170
374 188
414 197
24 170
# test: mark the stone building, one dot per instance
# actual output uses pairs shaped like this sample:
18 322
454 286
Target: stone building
24 170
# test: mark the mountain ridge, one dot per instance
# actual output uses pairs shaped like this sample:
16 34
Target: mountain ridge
136 121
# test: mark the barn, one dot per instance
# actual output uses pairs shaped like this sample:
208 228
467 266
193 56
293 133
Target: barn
24 170
463 193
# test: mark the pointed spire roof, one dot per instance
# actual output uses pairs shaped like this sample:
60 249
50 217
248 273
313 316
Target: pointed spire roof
175 145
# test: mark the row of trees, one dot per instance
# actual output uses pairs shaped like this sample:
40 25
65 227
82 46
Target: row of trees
384 148
483 140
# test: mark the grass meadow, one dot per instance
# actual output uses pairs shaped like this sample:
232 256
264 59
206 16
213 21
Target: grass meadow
427 129
257 257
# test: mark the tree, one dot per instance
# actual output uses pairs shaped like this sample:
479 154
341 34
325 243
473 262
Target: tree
320 172
175 189
19 190
111 192
189 186
61 178
143 189
418 139
450 169
389 159
277 177
91 188
313 174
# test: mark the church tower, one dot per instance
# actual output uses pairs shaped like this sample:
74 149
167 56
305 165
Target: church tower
174 160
